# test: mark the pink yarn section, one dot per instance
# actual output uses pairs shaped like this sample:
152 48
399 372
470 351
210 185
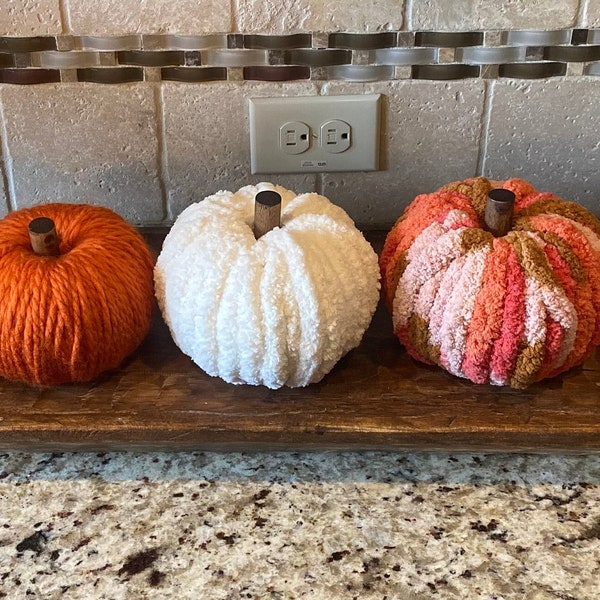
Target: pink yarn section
506 346
459 309
486 323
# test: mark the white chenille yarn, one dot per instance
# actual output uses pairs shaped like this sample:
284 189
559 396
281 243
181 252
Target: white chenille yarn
280 310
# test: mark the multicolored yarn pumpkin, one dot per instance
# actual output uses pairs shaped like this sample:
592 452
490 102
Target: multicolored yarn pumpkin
68 318
278 310
508 310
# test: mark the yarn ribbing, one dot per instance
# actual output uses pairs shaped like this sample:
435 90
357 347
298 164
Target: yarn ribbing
280 310
508 311
71 317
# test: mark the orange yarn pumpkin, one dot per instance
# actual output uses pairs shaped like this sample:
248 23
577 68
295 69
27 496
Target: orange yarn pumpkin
70 317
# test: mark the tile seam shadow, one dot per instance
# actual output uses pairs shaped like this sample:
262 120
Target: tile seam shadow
6 161
65 17
485 128
581 12
161 151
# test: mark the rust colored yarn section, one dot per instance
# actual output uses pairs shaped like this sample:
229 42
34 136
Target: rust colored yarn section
68 318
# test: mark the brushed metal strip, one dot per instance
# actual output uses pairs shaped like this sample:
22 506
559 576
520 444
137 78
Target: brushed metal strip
54 59
151 58
111 75
532 70
404 56
362 41
313 57
445 72
235 58
530 37
277 73
481 55
361 73
29 76
572 53
449 39
194 74
183 42
109 43
27 44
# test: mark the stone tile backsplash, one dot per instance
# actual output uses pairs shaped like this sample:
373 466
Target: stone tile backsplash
142 106
119 17
290 16
96 144
442 15
591 15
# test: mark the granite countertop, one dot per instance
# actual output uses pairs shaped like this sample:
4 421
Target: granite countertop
285 526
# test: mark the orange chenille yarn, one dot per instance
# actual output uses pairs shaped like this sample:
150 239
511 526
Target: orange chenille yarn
68 318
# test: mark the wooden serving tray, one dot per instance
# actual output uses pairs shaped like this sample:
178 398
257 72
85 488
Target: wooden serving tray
377 397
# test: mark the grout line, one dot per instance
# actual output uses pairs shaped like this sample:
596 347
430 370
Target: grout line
161 145
582 10
233 16
6 163
320 183
485 128
320 177
407 16
65 17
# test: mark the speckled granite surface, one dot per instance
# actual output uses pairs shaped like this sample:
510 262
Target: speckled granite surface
285 526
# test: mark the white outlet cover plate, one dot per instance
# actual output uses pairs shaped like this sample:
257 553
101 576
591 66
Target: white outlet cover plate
267 115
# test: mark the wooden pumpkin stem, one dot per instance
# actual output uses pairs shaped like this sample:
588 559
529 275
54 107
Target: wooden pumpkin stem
44 239
267 212
499 211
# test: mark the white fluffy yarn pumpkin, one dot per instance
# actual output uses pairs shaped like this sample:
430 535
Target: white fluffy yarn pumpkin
280 310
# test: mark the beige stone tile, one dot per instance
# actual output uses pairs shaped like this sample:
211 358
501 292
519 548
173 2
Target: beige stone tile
430 136
591 17
289 16
116 17
206 131
84 143
442 15
30 17
547 133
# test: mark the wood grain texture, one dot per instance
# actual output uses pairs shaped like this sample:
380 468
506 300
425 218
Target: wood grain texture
267 212
377 397
42 234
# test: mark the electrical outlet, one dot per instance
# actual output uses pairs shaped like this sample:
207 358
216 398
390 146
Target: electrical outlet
314 134
294 137
335 136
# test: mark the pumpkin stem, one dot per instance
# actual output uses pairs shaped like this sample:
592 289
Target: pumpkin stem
43 237
267 212
499 211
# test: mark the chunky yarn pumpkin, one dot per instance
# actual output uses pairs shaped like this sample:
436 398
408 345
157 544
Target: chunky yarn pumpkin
70 317
280 310
510 310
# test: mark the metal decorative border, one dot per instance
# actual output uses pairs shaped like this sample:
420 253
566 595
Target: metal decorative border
355 57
